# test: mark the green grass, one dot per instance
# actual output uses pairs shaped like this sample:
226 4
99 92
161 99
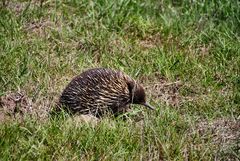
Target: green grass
198 43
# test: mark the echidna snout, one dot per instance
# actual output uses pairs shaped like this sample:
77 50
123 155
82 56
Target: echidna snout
138 95
97 90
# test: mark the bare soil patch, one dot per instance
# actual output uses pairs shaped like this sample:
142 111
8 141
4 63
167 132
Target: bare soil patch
221 134
15 106
150 42
16 7
223 131
40 27
18 106
166 91
19 6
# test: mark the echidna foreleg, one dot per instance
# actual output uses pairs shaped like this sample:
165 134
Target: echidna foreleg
121 110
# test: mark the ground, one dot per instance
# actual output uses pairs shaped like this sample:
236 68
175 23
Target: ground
186 54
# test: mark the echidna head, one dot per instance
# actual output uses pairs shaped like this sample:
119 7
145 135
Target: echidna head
137 95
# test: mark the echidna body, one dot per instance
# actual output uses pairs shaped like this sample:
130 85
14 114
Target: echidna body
98 90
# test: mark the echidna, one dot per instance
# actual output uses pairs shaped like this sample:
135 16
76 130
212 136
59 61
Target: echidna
98 90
